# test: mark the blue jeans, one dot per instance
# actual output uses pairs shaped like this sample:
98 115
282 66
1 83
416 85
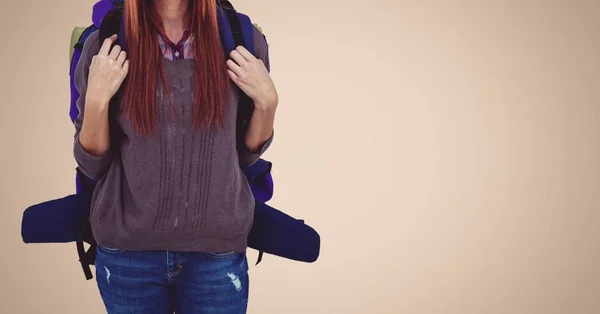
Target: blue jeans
161 282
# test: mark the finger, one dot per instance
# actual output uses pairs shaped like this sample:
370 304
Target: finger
114 52
121 58
126 67
238 58
232 75
236 79
245 53
105 48
234 67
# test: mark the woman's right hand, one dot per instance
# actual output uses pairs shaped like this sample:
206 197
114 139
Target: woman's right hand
107 71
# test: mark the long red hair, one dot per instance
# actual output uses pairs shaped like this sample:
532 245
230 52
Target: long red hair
139 101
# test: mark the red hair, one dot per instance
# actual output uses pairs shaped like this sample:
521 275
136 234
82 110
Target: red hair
145 65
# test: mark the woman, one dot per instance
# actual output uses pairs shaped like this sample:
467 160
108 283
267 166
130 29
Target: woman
172 209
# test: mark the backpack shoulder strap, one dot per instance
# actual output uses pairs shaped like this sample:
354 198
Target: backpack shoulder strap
112 23
236 29
78 37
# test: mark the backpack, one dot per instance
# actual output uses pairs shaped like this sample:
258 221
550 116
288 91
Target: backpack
66 219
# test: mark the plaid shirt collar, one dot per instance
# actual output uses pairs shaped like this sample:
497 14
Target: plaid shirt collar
177 51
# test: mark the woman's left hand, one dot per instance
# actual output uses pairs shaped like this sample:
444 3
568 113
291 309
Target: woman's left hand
252 77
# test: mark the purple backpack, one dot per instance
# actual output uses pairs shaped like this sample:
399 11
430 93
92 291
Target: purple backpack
66 219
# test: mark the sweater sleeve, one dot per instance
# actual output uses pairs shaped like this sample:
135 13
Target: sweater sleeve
92 166
261 51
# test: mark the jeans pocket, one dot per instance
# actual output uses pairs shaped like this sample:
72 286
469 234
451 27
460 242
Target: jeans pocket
110 250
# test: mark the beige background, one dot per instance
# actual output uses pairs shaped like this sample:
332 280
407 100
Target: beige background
451 149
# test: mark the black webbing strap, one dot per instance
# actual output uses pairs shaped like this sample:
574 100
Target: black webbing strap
85 258
85 265
245 105
260 256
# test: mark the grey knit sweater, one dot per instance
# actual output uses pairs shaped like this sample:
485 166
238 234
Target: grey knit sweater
179 189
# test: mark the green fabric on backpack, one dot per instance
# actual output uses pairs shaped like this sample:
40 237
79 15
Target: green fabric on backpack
75 34
258 27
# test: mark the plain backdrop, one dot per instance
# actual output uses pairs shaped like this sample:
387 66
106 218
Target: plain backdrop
447 152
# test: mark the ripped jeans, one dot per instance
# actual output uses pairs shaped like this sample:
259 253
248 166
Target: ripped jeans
161 282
